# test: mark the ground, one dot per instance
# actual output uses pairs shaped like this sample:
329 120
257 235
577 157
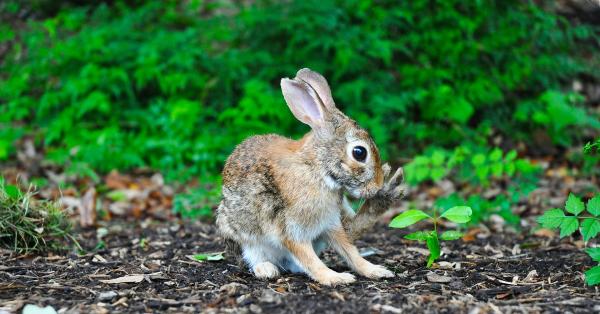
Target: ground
491 272
138 257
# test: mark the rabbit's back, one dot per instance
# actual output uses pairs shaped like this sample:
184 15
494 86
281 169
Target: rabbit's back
252 197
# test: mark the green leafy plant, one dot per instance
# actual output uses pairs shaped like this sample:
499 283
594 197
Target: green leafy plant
577 216
569 220
591 147
592 275
28 225
457 214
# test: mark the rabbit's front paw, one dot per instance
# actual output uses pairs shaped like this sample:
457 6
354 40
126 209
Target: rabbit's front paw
375 271
392 189
332 278
391 192
266 270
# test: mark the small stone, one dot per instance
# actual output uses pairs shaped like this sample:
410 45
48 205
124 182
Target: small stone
232 288
255 308
457 285
270 296
157 255
433 277
34 309
107 296
243 299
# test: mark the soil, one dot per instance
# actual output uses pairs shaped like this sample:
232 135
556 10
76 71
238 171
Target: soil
490 272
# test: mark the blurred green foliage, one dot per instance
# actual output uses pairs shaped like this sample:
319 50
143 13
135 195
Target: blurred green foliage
476 165
175 85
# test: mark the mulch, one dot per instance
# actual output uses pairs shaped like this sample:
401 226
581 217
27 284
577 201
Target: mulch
138 257
493 272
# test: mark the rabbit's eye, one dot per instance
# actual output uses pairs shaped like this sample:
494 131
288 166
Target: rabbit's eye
359 153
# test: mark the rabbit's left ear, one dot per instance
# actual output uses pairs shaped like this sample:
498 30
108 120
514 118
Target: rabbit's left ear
304 102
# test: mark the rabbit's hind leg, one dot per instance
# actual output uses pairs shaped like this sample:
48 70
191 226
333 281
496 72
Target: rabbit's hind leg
262 260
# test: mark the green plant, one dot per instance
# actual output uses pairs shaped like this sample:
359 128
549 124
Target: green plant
28 225
477 165
457 214
590 147
577 216
561 114
592 275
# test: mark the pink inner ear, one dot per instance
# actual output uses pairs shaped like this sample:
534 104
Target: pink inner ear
312 110
302 101
308 104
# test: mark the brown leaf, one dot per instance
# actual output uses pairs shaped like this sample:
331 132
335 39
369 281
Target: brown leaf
116 181
546 233
470 235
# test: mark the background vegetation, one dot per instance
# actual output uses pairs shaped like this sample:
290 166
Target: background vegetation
175 85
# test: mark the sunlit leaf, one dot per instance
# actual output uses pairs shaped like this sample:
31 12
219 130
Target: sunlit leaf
574 205
593 205
551 218
408 218
592 276
589 228
458 214
568 226
594 253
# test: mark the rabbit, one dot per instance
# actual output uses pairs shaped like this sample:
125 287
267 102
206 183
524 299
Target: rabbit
283 200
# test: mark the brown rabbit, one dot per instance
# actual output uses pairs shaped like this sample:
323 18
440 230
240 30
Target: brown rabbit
283 200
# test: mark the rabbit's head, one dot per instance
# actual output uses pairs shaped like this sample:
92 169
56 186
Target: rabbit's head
344 154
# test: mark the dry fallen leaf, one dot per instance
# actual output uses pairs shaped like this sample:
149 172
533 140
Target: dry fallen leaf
470 235
546 233
125 279
114 180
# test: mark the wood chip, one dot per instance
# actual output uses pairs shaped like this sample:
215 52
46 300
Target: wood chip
125 279
87 209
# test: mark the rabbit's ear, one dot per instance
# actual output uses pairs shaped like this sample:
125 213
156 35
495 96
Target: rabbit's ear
319 84
303 102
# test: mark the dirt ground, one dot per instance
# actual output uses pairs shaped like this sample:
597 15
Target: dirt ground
507 272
